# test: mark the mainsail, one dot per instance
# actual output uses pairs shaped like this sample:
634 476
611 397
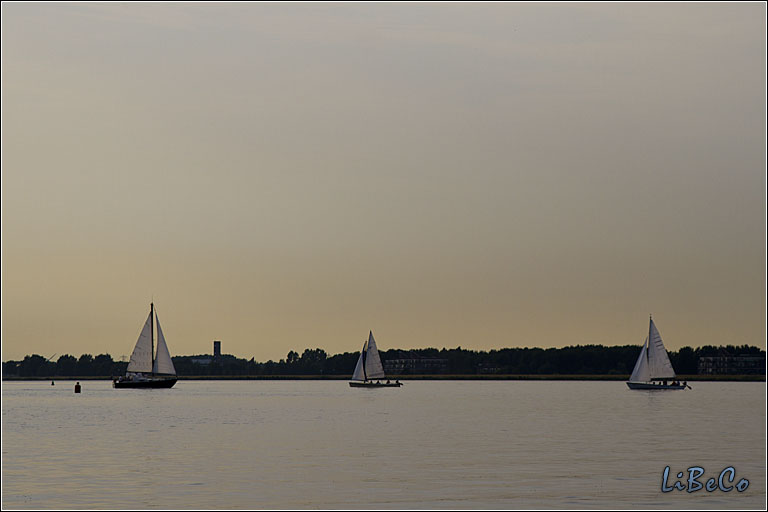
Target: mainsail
141 358
163 361
658 359
373 368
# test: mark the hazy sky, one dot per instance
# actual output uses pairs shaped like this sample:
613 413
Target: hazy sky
289 175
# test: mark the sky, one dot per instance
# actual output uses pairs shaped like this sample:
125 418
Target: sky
282 176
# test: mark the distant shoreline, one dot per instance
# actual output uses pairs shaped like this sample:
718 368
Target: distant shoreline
690 378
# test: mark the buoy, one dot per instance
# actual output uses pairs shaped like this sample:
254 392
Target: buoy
77 387
52 384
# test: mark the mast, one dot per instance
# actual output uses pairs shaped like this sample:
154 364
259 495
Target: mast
648 347
152 333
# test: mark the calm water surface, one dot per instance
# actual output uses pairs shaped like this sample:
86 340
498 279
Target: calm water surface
429 444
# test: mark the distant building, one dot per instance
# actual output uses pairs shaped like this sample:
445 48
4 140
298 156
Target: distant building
216 349
428 365
202 360
488 368
731 365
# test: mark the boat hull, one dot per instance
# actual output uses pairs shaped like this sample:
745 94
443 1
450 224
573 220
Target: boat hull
354 384
144 384
648 386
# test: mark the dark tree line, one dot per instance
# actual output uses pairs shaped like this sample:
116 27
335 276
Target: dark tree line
66 366
573 360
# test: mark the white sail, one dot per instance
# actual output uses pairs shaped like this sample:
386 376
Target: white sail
658 359
163 361
358 373
641 373
373 368
141 358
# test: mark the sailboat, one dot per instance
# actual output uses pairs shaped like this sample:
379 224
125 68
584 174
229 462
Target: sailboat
147 369
653 368
369 367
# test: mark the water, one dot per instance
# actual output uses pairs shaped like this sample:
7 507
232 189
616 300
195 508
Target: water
429 444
